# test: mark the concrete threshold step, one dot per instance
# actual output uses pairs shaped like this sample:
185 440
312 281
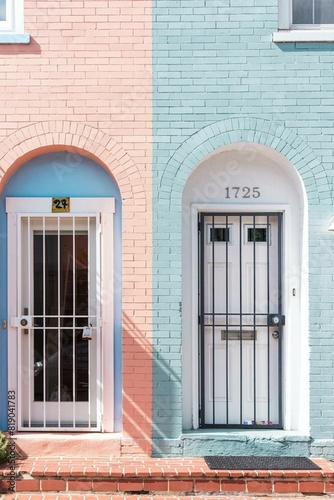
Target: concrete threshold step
146 477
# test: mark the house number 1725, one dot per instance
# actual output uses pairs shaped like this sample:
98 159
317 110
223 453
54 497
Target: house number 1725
242 192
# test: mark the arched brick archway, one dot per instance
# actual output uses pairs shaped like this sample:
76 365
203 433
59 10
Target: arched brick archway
244 130
40 138
73 137
255 135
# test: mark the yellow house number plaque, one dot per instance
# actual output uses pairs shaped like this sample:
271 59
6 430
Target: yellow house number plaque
60 204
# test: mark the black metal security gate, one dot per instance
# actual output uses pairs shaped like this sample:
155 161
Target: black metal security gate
241 320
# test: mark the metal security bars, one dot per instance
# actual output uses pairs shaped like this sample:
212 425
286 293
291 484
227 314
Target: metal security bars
240 319
59 323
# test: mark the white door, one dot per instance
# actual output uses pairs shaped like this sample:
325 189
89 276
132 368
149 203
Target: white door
56 296
241 319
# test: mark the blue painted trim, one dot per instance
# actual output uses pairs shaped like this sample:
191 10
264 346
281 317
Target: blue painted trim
22 38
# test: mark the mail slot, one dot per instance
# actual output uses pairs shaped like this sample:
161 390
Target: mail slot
238 334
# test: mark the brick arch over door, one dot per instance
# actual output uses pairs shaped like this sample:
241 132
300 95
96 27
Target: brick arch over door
39 138
244 130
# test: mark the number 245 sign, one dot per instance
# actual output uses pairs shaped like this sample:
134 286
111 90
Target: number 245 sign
60 204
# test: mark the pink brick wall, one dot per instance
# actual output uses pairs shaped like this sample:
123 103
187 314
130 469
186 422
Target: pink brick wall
85 82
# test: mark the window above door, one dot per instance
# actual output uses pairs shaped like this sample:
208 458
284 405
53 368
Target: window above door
11 22
305 21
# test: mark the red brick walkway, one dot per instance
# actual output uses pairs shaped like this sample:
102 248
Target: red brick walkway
150 467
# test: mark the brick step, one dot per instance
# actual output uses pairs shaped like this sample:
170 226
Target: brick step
91 496
166 477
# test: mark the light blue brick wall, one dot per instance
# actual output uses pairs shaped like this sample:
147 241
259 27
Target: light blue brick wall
218 78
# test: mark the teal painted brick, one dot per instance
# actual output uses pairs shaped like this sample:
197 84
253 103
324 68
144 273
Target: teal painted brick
214 59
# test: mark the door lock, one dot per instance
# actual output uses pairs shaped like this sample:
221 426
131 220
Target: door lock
22 322
276 319
87 332
275 334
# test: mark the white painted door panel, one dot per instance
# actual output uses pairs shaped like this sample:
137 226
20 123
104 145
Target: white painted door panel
241 289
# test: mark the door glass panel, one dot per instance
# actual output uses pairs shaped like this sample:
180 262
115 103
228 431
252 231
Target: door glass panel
60 270
256 234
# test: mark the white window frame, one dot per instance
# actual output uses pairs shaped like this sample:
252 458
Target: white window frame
288 32
12 28
14 17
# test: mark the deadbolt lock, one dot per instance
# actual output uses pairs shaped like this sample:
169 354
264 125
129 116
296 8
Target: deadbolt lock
276 319
23 322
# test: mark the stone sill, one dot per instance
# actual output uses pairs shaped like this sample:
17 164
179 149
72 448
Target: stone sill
303 36
14 38
244 434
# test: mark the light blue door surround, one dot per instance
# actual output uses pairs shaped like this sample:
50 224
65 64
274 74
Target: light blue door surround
60 174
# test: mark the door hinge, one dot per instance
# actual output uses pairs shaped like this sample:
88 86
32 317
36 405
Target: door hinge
199 319
199 226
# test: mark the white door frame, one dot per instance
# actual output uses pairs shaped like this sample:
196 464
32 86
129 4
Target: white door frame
105 207
292 305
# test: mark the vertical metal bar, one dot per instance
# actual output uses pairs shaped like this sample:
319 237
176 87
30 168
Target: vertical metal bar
97 301
279 282
213 324
240 312
268 312
89 319
74 318
30 311
202 317
44 323
227 318
254 313
59 321
18 298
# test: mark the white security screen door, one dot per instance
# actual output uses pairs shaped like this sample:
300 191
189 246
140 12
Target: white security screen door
57 295
240 319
